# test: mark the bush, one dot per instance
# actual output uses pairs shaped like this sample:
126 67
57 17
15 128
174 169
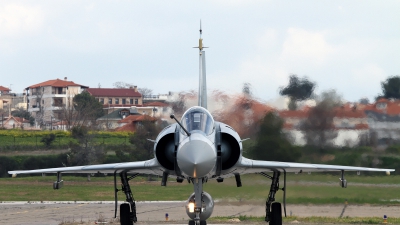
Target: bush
30 162
48 139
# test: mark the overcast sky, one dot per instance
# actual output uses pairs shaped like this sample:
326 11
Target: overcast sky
350 46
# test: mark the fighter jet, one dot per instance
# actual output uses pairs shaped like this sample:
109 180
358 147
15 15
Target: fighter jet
198 149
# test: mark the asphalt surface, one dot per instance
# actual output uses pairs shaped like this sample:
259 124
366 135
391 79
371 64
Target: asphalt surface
51 213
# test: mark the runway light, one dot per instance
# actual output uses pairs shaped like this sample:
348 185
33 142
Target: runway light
191 207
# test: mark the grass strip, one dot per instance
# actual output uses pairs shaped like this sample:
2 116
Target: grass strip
255 188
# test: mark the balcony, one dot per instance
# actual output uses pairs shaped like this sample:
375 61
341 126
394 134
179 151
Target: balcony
58 92
58 105
34 108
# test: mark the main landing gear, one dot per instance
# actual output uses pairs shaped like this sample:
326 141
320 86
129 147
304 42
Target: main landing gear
273 210
127 212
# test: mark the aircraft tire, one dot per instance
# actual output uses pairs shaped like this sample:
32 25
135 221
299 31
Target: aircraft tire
124 214
203 222
191 222
276 214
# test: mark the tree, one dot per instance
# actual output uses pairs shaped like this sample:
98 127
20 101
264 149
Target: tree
48 139
247 89
145 91
121 84
318 128
271 143
183 101
21 112
298 89
85 151
391 87
39 115
143 148
82 110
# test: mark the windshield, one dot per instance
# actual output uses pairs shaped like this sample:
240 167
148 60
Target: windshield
198 118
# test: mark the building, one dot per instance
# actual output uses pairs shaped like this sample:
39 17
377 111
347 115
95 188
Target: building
117 97
384 121
349 124
131 122
4 90
47 100
14 122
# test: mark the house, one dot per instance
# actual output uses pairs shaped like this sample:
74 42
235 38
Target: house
4 90
349 123
47 100
123 119
117 97
132 122
110 120
16 122
384 121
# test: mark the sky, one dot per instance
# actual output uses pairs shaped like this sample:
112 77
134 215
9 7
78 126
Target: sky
349 46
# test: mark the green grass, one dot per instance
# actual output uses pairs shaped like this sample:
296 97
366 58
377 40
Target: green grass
312 189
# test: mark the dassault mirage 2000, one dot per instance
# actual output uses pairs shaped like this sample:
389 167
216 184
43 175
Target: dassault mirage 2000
198 149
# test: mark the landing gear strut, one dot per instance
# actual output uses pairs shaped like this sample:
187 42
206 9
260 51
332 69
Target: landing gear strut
273 210
127 212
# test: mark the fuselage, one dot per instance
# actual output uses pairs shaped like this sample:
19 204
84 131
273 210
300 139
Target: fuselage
208 148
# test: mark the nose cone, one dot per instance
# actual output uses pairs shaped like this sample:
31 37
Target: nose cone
196 156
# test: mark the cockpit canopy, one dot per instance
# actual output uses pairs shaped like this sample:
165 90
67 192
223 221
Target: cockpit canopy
198 118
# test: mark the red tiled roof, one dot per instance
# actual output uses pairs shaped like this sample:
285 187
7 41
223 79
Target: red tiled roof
134 118
362 126
392 106
349 113
56 83
20 119
127 127
156 104
4 89
113 92
292 114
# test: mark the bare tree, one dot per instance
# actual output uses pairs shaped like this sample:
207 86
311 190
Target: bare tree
182 102
318 128
121 84
145 91
39 115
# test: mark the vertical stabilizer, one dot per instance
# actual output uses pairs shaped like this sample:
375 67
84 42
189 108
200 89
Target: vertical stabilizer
202 101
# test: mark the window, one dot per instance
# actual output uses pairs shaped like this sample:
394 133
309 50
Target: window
381 105
123 101
110 101
102 100
117 101
131 101
136 101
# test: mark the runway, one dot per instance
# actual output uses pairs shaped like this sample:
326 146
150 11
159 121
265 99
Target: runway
55 213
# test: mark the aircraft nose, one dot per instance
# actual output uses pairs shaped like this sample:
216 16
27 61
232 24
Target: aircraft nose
196 156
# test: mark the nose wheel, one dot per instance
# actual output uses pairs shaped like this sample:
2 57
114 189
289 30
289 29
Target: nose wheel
201 222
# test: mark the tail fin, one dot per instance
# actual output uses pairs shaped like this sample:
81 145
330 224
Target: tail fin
202 80
202 101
